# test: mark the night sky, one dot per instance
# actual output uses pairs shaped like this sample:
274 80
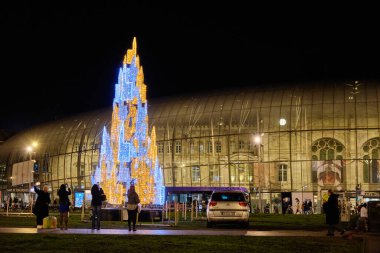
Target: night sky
60 59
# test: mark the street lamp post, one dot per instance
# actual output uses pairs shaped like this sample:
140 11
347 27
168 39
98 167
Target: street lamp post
354 92
257 140
358 189
30 151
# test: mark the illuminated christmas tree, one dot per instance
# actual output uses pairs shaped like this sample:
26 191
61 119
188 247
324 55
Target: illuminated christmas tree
128 154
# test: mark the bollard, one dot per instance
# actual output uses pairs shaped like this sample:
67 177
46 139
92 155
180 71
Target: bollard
166 209
169 211
196 209
176 213
162 214
7 204
184 206
82 214
192 211
182 211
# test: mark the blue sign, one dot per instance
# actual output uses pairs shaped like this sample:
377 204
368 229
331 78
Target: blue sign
35 167
78 199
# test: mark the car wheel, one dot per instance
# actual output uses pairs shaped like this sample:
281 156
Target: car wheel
209 224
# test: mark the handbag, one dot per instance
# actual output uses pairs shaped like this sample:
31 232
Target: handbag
131 206
103 197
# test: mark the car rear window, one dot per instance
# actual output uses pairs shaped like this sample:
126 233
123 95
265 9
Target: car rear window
228 196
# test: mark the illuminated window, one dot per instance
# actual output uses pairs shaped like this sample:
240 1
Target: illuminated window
371 161
241 144
214 174
201 147
192 147
169 148
160 147
178 147
3 174
209 147
218 147
282 172
327 149
195 173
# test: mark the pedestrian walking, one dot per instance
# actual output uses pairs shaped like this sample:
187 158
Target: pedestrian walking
41 208
363 219
96 204
332 213
64 204
132 207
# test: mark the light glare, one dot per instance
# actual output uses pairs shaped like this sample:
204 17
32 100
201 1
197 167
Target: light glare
282 122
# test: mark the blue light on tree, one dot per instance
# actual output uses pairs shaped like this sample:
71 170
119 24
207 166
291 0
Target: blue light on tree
128 153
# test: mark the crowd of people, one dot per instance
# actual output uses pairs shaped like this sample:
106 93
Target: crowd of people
43 204
332 207
333 210
15 205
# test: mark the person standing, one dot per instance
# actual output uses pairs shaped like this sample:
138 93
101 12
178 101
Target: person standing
96 204
64 204
363 218
332 212
41 208
132 207
298 208
309 206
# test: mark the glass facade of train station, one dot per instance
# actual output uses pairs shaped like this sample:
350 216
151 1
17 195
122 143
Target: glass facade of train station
295 140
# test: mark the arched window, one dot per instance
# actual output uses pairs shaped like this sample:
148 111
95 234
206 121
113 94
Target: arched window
327 167
371 162
327 149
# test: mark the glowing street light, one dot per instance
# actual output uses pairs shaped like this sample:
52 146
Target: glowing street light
282 122
257 139
30 149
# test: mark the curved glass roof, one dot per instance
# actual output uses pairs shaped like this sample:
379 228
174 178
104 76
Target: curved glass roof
325 105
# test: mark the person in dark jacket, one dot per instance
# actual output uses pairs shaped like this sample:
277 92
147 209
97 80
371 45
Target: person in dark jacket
96 204
132 207
64 204
41 208
332 212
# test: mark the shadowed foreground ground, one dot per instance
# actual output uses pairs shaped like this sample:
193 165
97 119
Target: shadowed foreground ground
122 243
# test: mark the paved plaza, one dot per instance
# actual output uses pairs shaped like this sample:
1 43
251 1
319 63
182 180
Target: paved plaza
372 240
166 232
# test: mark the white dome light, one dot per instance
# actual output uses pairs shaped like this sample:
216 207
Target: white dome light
282 122
257 139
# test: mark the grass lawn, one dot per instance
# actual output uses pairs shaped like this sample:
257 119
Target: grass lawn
257 221
122 243
137 243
